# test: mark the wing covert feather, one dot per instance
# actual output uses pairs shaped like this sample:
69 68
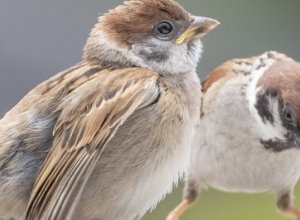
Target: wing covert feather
88 119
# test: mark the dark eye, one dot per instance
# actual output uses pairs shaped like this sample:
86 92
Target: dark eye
288 115
165 27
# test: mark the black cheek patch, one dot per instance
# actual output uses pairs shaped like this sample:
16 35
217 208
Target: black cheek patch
276 145
154 56
262 105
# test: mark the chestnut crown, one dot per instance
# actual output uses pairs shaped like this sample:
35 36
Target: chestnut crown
136 19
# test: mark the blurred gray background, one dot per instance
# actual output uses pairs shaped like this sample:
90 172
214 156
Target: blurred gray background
41 38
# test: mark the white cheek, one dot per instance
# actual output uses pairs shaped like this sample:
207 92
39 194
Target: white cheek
252 89
269 130
180 58
275 129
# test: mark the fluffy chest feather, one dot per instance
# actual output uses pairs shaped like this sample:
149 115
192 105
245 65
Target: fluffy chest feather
151 150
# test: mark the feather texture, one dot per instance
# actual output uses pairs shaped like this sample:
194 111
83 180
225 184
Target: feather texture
86 123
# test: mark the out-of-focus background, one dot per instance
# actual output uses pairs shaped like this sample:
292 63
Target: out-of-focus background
41 38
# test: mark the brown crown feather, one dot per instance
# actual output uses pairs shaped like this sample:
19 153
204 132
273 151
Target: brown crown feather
135 18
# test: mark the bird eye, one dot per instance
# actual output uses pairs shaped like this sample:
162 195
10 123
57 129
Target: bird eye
165 27
288 115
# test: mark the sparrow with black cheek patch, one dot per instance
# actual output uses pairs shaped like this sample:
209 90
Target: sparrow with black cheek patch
249 132
107 138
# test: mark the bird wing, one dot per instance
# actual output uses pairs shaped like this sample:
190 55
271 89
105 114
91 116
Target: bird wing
88 119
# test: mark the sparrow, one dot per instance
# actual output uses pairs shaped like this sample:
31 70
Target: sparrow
248 139
108 137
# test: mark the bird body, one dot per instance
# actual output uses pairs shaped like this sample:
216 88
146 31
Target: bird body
231 156
243 143
107 138
32 122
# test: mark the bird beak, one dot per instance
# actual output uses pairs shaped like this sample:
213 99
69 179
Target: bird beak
199 27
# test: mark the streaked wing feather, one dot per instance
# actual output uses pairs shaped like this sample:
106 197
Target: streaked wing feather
89 118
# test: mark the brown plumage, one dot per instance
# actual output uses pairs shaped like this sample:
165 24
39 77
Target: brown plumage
122 25
107 138
82 131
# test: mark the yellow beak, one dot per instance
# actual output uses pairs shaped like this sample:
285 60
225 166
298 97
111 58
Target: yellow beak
198 28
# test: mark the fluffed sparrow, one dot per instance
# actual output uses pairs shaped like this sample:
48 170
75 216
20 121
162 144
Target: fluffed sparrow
249 132
107 138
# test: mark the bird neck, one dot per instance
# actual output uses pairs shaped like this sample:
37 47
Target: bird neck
104 52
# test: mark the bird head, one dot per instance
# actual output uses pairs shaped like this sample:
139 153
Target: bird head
154 34
278 102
